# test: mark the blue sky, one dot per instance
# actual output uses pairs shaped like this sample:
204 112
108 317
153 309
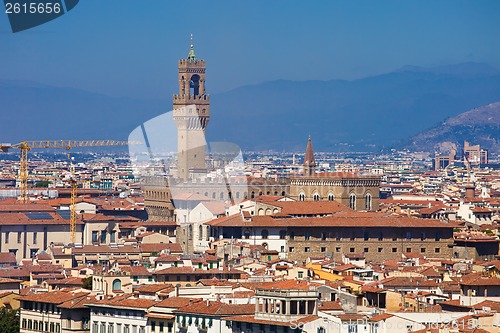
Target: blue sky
131 47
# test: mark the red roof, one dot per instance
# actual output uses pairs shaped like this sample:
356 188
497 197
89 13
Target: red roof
217 308
340 219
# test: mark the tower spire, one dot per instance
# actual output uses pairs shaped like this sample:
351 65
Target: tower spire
191 55
309 161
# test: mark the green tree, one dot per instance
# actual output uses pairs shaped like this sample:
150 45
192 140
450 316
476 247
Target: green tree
43 183
9 321
87 283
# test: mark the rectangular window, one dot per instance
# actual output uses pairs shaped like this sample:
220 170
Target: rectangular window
408 249
422 250
161 327
94 236
35 237
300 275
323 249
394 249
437 250
291 249
365 249
6 237
104 235
337 249
351 250
379 250
153 326
19 237
307 249
112 236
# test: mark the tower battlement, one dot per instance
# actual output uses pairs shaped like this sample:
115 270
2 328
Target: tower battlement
191 98
190 63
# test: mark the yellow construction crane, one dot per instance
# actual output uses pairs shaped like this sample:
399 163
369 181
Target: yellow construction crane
26 146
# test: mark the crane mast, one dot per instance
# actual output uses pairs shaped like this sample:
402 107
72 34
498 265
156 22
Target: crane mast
26 146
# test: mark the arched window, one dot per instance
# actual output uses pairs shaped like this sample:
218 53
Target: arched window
237 195
190 231
200 232
368 201
194 85
302 196
264 234
282 234
316 196
331 197
260 211
283 193
221 196
253 195
117 284
352 201
268 211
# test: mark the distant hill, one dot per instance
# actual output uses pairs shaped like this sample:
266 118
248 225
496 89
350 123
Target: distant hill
478 126
370 113
363 114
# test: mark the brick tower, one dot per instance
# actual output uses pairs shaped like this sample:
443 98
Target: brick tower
191 116
309 162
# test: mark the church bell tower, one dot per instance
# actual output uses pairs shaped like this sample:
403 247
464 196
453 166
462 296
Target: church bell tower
191 116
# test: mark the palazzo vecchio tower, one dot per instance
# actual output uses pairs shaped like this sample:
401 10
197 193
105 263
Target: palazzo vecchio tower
191 116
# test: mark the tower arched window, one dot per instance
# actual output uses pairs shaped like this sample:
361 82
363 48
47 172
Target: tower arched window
316 197
368 201
194 85
352 201
302 196
330 197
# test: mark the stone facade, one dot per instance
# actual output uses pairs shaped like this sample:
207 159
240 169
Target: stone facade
376 244
356 192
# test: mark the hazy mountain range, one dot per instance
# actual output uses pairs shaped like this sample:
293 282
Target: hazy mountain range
370 113
478 126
